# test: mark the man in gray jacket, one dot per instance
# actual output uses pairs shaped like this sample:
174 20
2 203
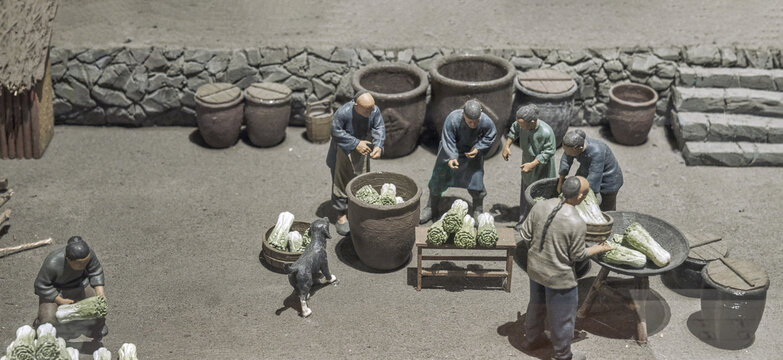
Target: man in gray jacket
64 278
555 235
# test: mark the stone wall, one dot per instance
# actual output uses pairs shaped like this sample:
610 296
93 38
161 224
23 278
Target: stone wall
155 86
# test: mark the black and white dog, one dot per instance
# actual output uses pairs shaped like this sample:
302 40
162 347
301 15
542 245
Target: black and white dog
311 262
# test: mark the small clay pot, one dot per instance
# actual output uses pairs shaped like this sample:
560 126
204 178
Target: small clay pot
631 112
267 111
219 111
383 236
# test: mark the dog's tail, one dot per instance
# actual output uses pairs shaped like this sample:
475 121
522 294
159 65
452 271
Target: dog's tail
288 269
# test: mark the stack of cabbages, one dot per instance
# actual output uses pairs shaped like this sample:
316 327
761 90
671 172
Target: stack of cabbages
634 247
283 239
462 226
387 196
44 344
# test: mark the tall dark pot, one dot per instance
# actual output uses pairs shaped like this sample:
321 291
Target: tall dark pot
219 110
383 236
554 98
400 91
267 110
458 78
631 112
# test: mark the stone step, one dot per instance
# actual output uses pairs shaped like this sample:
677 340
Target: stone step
750 78
730 100
695 126
734 154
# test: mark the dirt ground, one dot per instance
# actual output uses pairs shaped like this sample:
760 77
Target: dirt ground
413 23
178 229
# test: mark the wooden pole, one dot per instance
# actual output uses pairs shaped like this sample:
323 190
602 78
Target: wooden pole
3 144
5 197
15 249
5 216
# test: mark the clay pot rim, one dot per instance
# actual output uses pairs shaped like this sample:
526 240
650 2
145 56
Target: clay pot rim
222 106
419 90
633 104
273 102
364 205
499 82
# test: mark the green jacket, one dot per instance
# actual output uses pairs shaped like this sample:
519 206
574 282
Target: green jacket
537 144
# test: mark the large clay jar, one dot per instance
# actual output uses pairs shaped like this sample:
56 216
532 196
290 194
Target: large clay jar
458 78
383 236
553 92
267 111
400 92
547 188
631 112
219 114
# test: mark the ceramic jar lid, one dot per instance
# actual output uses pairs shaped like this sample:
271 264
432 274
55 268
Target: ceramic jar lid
268 93
736 274
218 93
546 81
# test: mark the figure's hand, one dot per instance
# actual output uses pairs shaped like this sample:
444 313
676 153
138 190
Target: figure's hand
506 153
100 292
376 153
59 300
454 164
527 167
559 184
603 247
472 153
363 147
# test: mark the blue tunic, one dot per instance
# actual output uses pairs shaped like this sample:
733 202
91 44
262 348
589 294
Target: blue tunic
457 139
348 128
598 165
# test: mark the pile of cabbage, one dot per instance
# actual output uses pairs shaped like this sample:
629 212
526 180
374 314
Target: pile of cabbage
634 247
460 227
43 344
589 209
283 239
94 307
387 196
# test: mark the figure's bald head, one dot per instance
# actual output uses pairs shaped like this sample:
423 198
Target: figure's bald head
364 104
575 189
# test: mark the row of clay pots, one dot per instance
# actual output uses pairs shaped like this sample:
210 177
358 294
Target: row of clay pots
221 107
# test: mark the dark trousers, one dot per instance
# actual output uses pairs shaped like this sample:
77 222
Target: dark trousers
608 201
559 305
523 205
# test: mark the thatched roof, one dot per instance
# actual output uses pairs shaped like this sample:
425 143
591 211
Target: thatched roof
25 31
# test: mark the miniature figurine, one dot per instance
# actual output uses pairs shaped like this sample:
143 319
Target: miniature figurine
537 141
596 162
311 262
555 236
64 278
467 135
357 130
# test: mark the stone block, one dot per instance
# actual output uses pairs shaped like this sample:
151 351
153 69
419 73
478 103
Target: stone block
161 100
110 97
667 53
75 93
297 65
218 63
156 61
200 56
687 99
274 73
644 64
769 154
716 154
756 79
702 55
754 102
526 63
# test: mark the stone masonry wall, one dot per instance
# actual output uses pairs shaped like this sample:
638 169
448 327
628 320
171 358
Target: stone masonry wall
155 86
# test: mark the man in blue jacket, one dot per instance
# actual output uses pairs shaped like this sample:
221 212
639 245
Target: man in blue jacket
467 135
596 163
358 134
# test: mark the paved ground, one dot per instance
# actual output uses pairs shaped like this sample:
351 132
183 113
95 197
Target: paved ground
408 23
178 228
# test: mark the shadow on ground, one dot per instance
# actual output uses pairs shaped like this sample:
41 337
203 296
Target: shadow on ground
515 332
455 283
610 318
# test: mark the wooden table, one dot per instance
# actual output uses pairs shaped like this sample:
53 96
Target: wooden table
505 242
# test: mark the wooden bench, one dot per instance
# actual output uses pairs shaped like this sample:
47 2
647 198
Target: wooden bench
505 242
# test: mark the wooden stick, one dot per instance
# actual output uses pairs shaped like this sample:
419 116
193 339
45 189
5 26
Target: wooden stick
15 249
5 216
5 197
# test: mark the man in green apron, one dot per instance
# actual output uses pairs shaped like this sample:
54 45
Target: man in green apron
537 141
